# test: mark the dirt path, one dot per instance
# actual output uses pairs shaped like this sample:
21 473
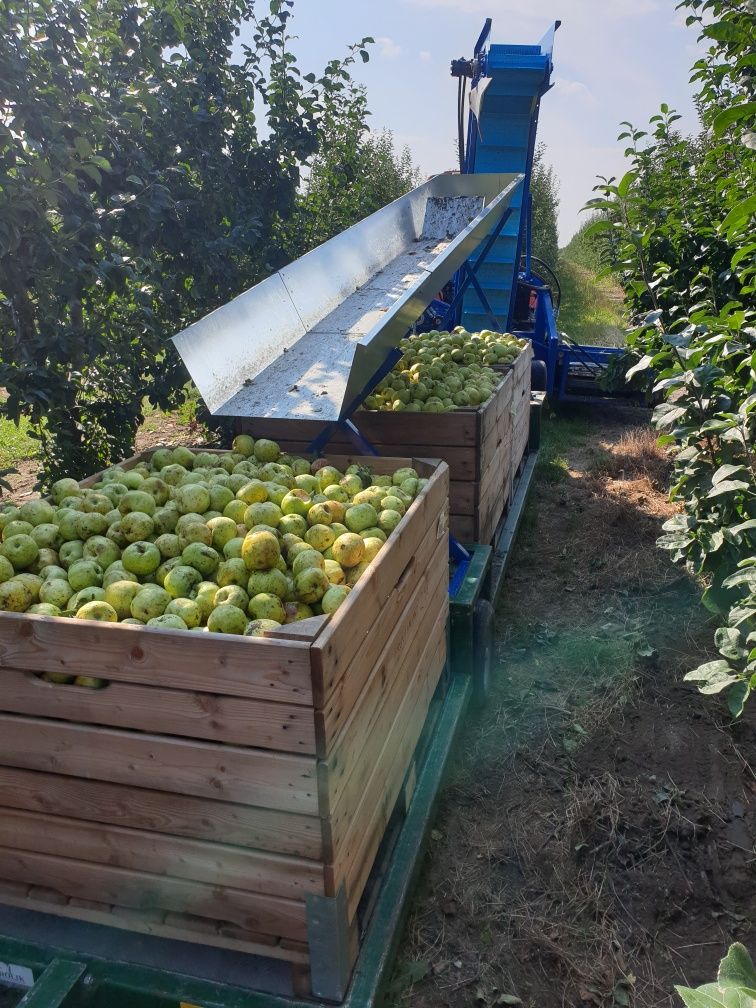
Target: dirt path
595 843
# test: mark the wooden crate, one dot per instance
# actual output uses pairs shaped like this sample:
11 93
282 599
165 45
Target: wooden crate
520 409
218 784
476 444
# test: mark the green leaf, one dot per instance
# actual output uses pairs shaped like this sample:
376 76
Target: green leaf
732 115
727 487
725 471
739 213
729 643
642 365
82 146
715 676
696 999
736 698
737 968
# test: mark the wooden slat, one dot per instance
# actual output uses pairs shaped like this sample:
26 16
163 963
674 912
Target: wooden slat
211 663
356 841
158 854
236 720
343 776
270 914
464 528
161 812
228 773
332 653
463 497
169 926
406 600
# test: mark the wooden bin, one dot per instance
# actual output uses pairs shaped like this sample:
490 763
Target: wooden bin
521 386
476 444
223 789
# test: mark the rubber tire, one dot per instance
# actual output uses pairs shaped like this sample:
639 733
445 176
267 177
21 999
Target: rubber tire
538 376
483 649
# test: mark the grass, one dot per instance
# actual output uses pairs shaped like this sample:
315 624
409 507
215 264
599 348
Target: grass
16 443
591 309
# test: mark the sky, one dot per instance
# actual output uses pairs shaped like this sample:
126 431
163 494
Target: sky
614 60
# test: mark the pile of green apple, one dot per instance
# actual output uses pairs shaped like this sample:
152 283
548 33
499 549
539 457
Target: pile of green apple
443 371
240 542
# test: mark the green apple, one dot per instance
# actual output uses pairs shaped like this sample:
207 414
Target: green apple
307 558
193 498
46 535
220 496
296 502
360 516
21 550
334 597
7 570
244 444
132 478
348 549
98 611
137 500
265 450
227 619
157 489
320 537
372 547
137 525
260 627
263 513
403 474
296 611
205 598
233 547
141 558
115 491
15 596
336 493
37 512
187 609
8 513
311 584
117 572
253 492
49 573
67 521
181 581
260 551
44 609
232 595
17 527
202 557
84 574
164 570
185 520
115 534
46 558
392 503
223 530
183 456
90 524
232 572
328 475
388 520
93 502
161 458
80 598
267 606
120 595
373 533
65 487
165 520
268 582
334 572
168 621
355 573
293 524
71 551
101 549
151 601
56 592
171 474
168 544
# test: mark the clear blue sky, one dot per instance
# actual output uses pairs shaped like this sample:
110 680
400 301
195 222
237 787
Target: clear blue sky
614 60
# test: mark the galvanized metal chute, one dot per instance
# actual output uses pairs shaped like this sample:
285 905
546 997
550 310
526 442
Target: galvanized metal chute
311 341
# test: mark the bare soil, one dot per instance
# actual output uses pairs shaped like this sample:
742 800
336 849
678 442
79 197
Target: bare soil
595 844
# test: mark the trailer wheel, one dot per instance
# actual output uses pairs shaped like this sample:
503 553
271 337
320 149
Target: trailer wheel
538 376
483 645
